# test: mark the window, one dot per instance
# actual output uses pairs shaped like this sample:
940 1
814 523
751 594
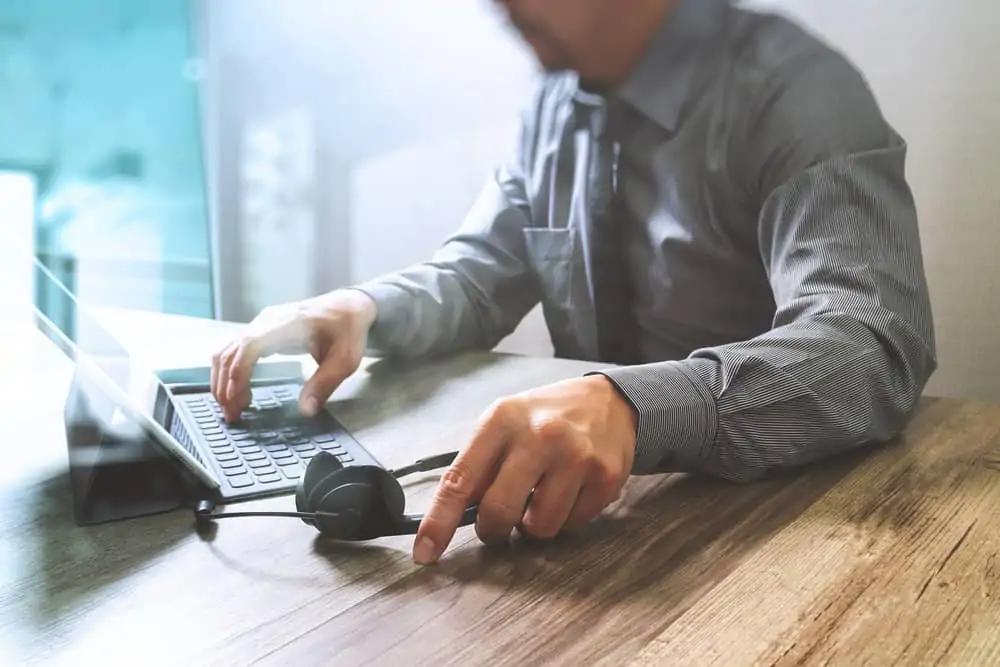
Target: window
101 114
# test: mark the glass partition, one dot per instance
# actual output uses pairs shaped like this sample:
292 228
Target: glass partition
101 113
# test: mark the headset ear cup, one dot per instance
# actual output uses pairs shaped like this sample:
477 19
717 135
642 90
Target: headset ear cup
351 504
319 469
355 502
393 496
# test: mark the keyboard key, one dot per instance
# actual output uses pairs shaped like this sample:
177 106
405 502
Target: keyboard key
269 477
306 447
323 438
292 472
240 481
226 457
222 448
216 437
276 448
249 448
232 463
332 447
345 458
243 436
235 472
254 456
285 454
262 464
308 455
290 461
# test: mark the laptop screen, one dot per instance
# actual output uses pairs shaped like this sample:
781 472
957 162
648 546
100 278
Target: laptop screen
79 335
99 358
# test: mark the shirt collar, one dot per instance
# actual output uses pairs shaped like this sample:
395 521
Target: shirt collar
663 80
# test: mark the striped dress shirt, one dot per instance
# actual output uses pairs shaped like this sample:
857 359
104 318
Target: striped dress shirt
772 247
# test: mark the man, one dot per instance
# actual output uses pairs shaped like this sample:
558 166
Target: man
761 292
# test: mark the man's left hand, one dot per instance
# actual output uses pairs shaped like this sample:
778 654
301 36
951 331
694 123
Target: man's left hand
572 443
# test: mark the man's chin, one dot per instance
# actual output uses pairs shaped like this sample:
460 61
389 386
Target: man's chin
546 58
551 66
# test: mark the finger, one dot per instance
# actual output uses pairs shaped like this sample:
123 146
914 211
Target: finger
237 370
318 350
591 501
213 376
218 377
231 395
553 500
462 484
237 379
238 401
505 501
223 380
329 375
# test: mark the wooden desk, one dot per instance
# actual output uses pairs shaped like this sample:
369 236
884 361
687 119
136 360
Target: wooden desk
889 558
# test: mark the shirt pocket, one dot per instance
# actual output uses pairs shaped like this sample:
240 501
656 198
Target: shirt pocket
556 259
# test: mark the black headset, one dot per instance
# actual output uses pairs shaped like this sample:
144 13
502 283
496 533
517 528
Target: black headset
350 503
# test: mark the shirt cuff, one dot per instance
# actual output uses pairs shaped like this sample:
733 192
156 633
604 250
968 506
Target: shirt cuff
392 315
677 417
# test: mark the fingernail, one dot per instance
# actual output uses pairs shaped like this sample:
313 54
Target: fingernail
310 406
424 552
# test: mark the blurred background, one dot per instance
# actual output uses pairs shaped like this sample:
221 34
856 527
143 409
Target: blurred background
211 157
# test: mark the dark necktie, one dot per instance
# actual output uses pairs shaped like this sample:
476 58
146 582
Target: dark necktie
610 276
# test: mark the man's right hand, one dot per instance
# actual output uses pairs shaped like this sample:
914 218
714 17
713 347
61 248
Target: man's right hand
333 328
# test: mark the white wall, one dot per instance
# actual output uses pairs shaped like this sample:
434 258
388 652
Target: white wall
411 106
404 202
933 65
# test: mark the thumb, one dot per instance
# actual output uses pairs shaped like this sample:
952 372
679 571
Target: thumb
332 371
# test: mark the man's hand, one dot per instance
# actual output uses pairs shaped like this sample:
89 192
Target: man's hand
571 442
333 328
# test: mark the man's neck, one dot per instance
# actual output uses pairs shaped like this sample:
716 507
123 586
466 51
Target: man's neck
624 39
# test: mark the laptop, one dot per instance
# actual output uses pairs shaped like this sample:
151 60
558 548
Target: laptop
264 453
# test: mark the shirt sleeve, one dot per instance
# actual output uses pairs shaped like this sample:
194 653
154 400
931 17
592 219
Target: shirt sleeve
477 287
852 344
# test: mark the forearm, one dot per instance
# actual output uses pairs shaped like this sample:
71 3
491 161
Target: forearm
429 310
470 295
802 392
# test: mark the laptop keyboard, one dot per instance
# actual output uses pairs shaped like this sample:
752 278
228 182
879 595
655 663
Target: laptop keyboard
269 447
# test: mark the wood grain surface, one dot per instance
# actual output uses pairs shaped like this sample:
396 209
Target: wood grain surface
886 556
